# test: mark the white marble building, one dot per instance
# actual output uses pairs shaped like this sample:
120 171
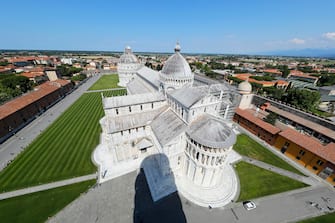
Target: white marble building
127 67
165 113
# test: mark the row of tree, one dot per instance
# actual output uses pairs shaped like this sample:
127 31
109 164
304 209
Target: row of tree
67 70
12 86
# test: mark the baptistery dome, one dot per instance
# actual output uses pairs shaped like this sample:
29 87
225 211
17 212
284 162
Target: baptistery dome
177 66
127 67
128 56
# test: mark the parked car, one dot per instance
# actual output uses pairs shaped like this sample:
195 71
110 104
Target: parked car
249 205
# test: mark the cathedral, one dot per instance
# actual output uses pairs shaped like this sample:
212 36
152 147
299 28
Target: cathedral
173 113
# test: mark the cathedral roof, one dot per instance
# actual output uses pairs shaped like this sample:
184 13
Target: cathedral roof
177 66
167 126
188 96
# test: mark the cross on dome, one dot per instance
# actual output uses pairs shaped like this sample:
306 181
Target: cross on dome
177 47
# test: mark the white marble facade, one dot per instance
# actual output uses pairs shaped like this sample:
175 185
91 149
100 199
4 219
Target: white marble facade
189 125
127 66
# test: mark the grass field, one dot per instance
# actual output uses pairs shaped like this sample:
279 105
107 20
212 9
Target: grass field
328 218
37 207
249 147
62 151
106 82
257 182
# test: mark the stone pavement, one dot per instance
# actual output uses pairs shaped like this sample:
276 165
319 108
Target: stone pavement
48 186
114 201
307 180
18 142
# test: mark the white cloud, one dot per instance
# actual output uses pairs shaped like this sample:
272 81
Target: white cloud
297 41
330 35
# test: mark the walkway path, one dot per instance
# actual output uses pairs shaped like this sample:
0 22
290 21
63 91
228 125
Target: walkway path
307 180
48 186
18 142
107 89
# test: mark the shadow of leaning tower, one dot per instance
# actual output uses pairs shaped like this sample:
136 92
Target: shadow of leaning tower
156 197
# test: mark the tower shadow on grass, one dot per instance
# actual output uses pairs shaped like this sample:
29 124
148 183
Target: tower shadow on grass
155 169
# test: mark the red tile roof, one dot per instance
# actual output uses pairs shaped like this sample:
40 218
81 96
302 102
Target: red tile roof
273 71
297 73
32 74
247 76
326 152
259 122
24 100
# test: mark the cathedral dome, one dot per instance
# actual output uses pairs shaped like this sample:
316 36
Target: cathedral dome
128 56
244 87
177 66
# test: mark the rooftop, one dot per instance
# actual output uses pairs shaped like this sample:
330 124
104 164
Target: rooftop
167 126
188 96
24 100
127 100
326 152
211 132
249 115
302 121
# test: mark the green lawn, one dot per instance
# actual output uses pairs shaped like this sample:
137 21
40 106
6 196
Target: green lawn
257 182
249 147
63 150
37 207
106 82
328 218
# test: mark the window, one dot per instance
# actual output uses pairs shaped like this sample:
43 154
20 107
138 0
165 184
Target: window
301 152
152 105
129 108
117 111
286 144
122 133
298 157
320 162
141 107
315 168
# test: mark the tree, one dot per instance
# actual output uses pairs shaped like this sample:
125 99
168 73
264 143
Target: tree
4 63
271 118
284 70
14 82
302 98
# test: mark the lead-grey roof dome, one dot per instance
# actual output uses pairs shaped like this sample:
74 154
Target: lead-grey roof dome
128 56
176 65
211 132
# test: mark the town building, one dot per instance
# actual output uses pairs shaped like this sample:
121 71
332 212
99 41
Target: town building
18 112
307 142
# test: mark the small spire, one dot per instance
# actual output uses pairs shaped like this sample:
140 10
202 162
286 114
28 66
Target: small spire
177 47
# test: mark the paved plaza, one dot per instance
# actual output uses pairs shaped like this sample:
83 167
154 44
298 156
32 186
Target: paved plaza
118 201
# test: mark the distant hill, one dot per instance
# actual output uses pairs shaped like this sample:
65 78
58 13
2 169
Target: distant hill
308 52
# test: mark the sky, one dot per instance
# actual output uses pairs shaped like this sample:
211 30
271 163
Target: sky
212 26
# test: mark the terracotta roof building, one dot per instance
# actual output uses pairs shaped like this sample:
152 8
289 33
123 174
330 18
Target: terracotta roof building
18 112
